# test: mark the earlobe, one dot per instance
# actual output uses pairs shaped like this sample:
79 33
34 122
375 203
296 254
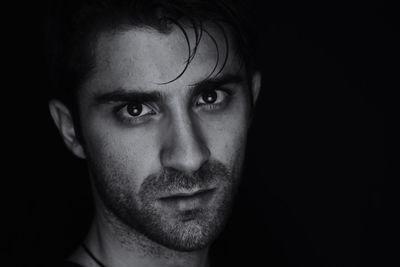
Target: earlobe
65 125
255 86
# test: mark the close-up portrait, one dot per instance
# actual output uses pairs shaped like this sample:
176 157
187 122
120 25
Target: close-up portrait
199 133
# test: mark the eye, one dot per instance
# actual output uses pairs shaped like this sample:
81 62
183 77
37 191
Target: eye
212 97
134 112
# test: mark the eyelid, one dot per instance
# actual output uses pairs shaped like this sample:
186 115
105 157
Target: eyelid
226 98
120 106
227 91
216 88
121 115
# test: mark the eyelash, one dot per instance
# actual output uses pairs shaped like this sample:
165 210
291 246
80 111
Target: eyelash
128 119
227 94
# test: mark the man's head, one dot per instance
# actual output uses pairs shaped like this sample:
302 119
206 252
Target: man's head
161 116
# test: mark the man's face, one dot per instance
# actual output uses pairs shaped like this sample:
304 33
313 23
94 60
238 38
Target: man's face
165 158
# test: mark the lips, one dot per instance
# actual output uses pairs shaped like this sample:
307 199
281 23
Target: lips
187 195
186 201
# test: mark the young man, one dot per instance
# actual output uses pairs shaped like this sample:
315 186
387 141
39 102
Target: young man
157 97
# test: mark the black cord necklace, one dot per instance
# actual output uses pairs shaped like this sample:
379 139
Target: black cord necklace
91 255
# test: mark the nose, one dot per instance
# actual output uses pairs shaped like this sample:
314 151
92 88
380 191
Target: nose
184 148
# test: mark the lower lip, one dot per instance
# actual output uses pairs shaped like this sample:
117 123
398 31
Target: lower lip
194 201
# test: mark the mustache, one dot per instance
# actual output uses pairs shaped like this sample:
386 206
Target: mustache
169 179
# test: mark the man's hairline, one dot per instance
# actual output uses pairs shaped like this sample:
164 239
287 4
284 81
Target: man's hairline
94 41
94 44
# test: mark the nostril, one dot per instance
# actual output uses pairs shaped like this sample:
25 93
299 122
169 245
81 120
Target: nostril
184 156
184 146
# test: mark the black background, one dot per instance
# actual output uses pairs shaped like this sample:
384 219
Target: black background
316 186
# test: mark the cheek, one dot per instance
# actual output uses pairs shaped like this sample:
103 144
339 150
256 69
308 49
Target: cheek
123 154
227 137
228 146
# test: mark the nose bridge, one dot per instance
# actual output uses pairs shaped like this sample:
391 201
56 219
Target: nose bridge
184 146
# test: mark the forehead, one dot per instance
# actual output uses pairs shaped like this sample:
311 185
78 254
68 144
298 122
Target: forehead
146 58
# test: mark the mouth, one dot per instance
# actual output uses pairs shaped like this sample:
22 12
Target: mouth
183 195
188 200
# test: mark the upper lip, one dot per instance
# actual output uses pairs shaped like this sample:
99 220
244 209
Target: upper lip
188 194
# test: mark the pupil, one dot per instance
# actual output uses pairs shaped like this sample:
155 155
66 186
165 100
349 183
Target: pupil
210 97
134 110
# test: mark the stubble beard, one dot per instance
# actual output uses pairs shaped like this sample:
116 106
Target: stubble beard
131 216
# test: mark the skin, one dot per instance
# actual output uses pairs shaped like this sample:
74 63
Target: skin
191 138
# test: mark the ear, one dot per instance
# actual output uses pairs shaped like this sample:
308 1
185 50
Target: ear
255 86
65 125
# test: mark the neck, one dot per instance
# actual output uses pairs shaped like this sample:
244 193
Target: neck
116 246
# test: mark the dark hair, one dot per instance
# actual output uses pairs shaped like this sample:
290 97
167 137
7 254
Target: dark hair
74 25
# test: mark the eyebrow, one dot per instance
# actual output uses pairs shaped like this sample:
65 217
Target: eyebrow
217 82
125 95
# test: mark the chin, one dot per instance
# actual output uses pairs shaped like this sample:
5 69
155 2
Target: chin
190 238
187 236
